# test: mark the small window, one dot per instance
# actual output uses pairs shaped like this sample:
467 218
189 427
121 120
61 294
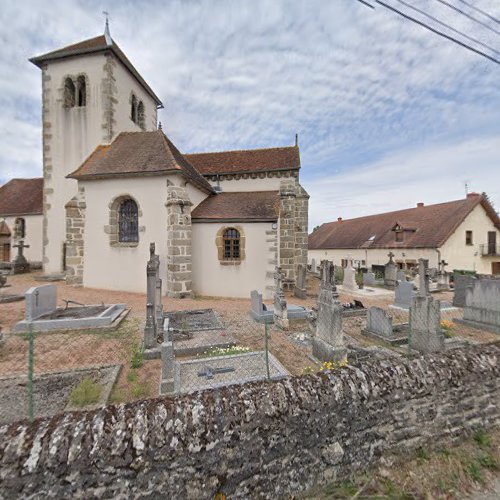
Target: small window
468 238
231 239
81 98
133 109
400 236
20 227
140 115
128 222
69 93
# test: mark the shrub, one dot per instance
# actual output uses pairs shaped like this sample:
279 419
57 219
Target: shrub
87 392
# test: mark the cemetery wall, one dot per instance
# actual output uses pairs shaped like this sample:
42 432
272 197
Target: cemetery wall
260 439
33 238
218 279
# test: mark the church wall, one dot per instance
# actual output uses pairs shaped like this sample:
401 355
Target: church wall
33 238
195 195
122 267
245 185
211 278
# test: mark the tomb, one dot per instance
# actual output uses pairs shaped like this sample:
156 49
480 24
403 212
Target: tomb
380 326
461 283
300 289
390 272
482 305
20 264
7 297
349 283
263 313
42 313
369 279
426 334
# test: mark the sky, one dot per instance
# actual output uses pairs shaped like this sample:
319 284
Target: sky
387 113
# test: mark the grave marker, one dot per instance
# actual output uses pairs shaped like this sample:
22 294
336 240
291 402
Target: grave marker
390 272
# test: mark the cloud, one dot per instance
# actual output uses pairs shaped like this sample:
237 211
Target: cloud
360 86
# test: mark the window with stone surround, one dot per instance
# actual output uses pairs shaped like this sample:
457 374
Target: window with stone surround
81 91
69 93
140 115
230 243
133 108
123 228
20 228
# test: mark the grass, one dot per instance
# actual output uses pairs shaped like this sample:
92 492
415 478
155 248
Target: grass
226 351
448 472
87 392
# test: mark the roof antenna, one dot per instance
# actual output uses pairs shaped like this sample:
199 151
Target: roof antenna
107 34
296 139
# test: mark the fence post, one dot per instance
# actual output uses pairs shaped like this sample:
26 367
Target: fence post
266 337
31 349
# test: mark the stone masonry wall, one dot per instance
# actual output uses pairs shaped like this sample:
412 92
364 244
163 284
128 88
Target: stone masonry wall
262 439
287 231
301 226
179 234
75 228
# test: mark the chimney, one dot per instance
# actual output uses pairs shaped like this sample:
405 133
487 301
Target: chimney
472 195
339 219
420 205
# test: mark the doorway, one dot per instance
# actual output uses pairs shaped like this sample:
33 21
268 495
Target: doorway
495 268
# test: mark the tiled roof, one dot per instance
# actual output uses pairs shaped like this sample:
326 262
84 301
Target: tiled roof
138 153
21 197
426 226
93 45
250 160
242 206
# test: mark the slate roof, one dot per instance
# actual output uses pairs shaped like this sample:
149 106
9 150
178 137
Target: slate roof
245 161
22 197
242 206
138 153
92 46
427 226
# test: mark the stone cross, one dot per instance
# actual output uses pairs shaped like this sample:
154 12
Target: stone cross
424 277
390 255
209 372
20 264
20 247
280 306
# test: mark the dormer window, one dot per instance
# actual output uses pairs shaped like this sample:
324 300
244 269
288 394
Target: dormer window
400 236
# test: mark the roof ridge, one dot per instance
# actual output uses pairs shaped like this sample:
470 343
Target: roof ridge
241 150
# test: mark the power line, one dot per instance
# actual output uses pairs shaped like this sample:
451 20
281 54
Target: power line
487 26
477 9
449 27
435 31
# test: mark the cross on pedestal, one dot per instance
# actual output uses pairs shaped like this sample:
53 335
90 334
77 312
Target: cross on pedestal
20 264
209 372
390 255
21 246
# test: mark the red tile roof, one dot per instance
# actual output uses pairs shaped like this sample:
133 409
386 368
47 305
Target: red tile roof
250 160
21 197
4 229
426 226
93 45
242 206
138 153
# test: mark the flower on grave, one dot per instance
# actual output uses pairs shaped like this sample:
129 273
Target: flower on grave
447 325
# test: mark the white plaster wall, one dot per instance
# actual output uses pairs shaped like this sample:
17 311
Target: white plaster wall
462 256
267 184
73 133
124 268
33 238
210 278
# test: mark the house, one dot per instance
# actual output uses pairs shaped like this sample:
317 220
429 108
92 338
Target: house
464 233
21 218
114 182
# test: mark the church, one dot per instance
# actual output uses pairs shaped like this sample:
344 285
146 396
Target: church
113 182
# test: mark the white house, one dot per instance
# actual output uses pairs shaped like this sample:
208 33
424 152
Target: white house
114 182
464 233
21 219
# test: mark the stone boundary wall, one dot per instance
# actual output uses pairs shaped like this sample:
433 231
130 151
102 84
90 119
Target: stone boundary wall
257 440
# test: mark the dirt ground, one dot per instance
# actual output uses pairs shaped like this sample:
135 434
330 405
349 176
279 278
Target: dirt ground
140 378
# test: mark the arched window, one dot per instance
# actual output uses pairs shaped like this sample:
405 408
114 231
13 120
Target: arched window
133 109
81 98
231 241
69 93
20 228
140 115
128 222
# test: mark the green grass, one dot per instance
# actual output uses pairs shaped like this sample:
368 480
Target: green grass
482 438
137 356
87 392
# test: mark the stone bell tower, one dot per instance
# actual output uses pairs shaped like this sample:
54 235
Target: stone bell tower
90 93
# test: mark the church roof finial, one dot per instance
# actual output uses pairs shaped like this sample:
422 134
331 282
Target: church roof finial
159 126
107 34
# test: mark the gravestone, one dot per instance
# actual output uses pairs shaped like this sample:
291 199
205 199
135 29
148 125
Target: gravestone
328 342
167 385
280 308
349 282
20 264
401 275
154 307
40 300
369 279
328 277
259 311
426 334
482 305
461 283
379 322
403 294
424 274
390 272
300 289
443 282
313 266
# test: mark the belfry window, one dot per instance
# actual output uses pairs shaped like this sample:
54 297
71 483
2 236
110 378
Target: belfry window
231 240
140 115
81 97
69 93
128 222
